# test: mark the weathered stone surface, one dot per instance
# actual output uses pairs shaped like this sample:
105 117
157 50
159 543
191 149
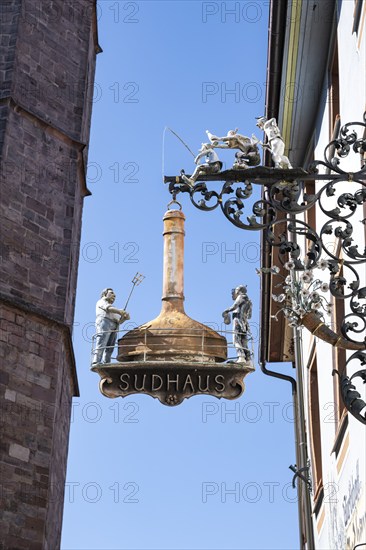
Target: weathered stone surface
32 452
18 451
47 61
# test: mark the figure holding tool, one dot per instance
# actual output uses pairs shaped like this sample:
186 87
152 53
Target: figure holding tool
241 313
108 318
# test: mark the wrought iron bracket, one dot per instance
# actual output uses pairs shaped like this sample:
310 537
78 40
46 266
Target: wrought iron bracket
340 195
350 396
299 473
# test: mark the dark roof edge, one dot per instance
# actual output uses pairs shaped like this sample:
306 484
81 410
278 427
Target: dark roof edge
276 40
97 46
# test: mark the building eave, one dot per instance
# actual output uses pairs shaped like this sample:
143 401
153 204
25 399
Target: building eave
298 51
272 343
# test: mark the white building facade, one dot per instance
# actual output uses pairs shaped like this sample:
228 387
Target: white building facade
317 84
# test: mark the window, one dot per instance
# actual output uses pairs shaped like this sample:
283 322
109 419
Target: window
339 358
310 215
357 15
333 92
315 431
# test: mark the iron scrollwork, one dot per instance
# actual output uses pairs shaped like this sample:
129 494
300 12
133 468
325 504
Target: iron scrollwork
284 196
351 397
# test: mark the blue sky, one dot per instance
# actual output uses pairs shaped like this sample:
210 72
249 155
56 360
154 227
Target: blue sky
207 474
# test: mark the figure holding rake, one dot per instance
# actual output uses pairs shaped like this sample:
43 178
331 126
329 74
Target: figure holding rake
108 318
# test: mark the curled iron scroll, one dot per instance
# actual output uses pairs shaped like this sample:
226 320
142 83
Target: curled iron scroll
341 200
350 396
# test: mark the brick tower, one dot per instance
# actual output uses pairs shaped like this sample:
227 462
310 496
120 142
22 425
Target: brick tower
47 64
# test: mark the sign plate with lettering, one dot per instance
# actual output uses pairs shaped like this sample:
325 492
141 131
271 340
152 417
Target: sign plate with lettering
171 383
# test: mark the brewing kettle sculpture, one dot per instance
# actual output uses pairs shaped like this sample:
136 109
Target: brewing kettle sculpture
173 357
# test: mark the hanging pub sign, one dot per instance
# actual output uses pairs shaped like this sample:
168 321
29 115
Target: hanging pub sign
172 357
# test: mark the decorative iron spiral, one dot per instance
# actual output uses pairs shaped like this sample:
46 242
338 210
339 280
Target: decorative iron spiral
341 199
351 397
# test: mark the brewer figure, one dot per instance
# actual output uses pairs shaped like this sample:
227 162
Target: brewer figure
212 164
275 142
107 320
248 154
241 312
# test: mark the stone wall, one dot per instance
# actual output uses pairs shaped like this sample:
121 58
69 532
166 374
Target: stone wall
36 388
41 192
47 64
